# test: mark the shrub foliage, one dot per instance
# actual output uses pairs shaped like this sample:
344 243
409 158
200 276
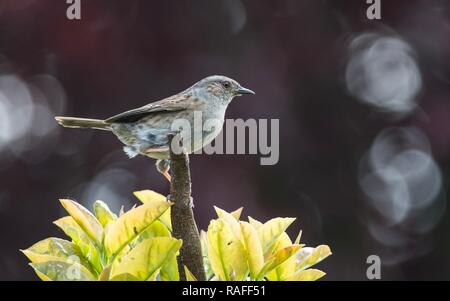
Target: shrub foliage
138 245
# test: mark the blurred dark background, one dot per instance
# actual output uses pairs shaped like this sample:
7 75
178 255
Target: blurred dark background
364 110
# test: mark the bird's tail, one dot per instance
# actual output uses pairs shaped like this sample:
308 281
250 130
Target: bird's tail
83 123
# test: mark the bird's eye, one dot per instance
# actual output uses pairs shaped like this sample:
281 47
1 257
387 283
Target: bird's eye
226 85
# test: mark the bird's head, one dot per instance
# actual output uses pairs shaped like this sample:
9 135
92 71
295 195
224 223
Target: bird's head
220 88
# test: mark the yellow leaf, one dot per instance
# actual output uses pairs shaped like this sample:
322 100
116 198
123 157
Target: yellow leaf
279 257
148 196
203 240
207 265
132 223
104 275
154 276
230 220
60 270
189 275
41 276
308 257
84 219
307 275
256 224
51 249
222 213
103 213
55 247
156 229
87 246
169 271
124 277
299 236
226 252
254 253
237 213
288 267
145 259
270 231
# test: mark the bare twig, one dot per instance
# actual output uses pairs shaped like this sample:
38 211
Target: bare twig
182 216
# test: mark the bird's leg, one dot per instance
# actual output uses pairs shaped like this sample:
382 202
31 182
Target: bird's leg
163 167
154 150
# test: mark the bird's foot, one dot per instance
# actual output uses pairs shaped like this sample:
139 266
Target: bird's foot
163 167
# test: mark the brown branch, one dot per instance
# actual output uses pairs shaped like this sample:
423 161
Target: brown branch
182 216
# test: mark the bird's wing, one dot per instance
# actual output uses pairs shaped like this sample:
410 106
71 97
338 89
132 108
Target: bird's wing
177 102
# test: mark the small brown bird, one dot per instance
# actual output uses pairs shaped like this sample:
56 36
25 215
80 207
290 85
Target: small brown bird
145 130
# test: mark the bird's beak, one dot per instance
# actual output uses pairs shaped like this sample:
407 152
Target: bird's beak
243 90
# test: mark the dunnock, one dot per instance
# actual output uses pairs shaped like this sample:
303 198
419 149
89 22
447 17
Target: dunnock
145 130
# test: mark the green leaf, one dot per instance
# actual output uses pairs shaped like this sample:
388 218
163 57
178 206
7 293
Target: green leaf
56 249
87 246
149 196
147 258
270 231
226 252
277 259
84 219
253 249
103 213
60 270
131 224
